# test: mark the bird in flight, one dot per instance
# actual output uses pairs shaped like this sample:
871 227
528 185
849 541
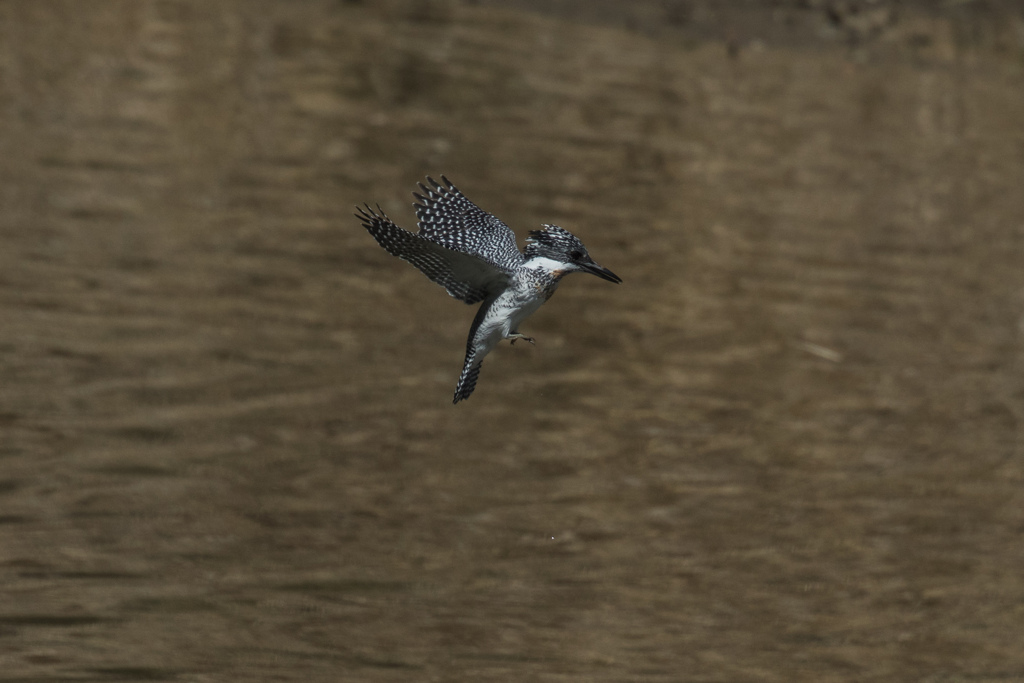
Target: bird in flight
474 256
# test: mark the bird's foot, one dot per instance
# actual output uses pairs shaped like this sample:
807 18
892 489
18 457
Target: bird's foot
513 338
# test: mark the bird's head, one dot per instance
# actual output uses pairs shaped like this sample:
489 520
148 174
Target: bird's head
558 244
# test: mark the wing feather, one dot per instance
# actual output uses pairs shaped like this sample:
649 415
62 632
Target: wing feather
467 277
447 218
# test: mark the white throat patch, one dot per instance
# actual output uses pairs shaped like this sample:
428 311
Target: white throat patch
546 264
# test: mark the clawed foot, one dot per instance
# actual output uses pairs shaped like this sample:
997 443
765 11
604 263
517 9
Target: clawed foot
513 338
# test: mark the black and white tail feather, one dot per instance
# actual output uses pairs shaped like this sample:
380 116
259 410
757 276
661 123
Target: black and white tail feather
474 256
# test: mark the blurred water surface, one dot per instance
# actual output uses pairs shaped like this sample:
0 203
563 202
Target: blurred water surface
787 448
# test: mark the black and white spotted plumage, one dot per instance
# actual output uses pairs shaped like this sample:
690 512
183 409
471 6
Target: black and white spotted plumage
467 277
471 365
448 218
474 256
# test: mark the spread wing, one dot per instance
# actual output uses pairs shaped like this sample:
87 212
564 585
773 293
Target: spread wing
447 218
467 276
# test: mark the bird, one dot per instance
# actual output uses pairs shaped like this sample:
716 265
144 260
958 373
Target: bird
474 256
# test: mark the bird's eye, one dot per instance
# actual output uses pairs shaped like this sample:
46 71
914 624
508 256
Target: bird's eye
575 254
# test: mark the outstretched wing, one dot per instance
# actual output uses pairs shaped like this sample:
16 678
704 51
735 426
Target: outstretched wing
467 276
447 218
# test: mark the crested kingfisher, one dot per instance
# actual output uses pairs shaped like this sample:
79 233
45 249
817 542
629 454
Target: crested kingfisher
474 256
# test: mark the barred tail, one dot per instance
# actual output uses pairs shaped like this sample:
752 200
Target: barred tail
467 380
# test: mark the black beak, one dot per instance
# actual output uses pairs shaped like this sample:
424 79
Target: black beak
601 272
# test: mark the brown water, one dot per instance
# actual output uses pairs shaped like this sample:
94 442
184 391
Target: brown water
788 448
